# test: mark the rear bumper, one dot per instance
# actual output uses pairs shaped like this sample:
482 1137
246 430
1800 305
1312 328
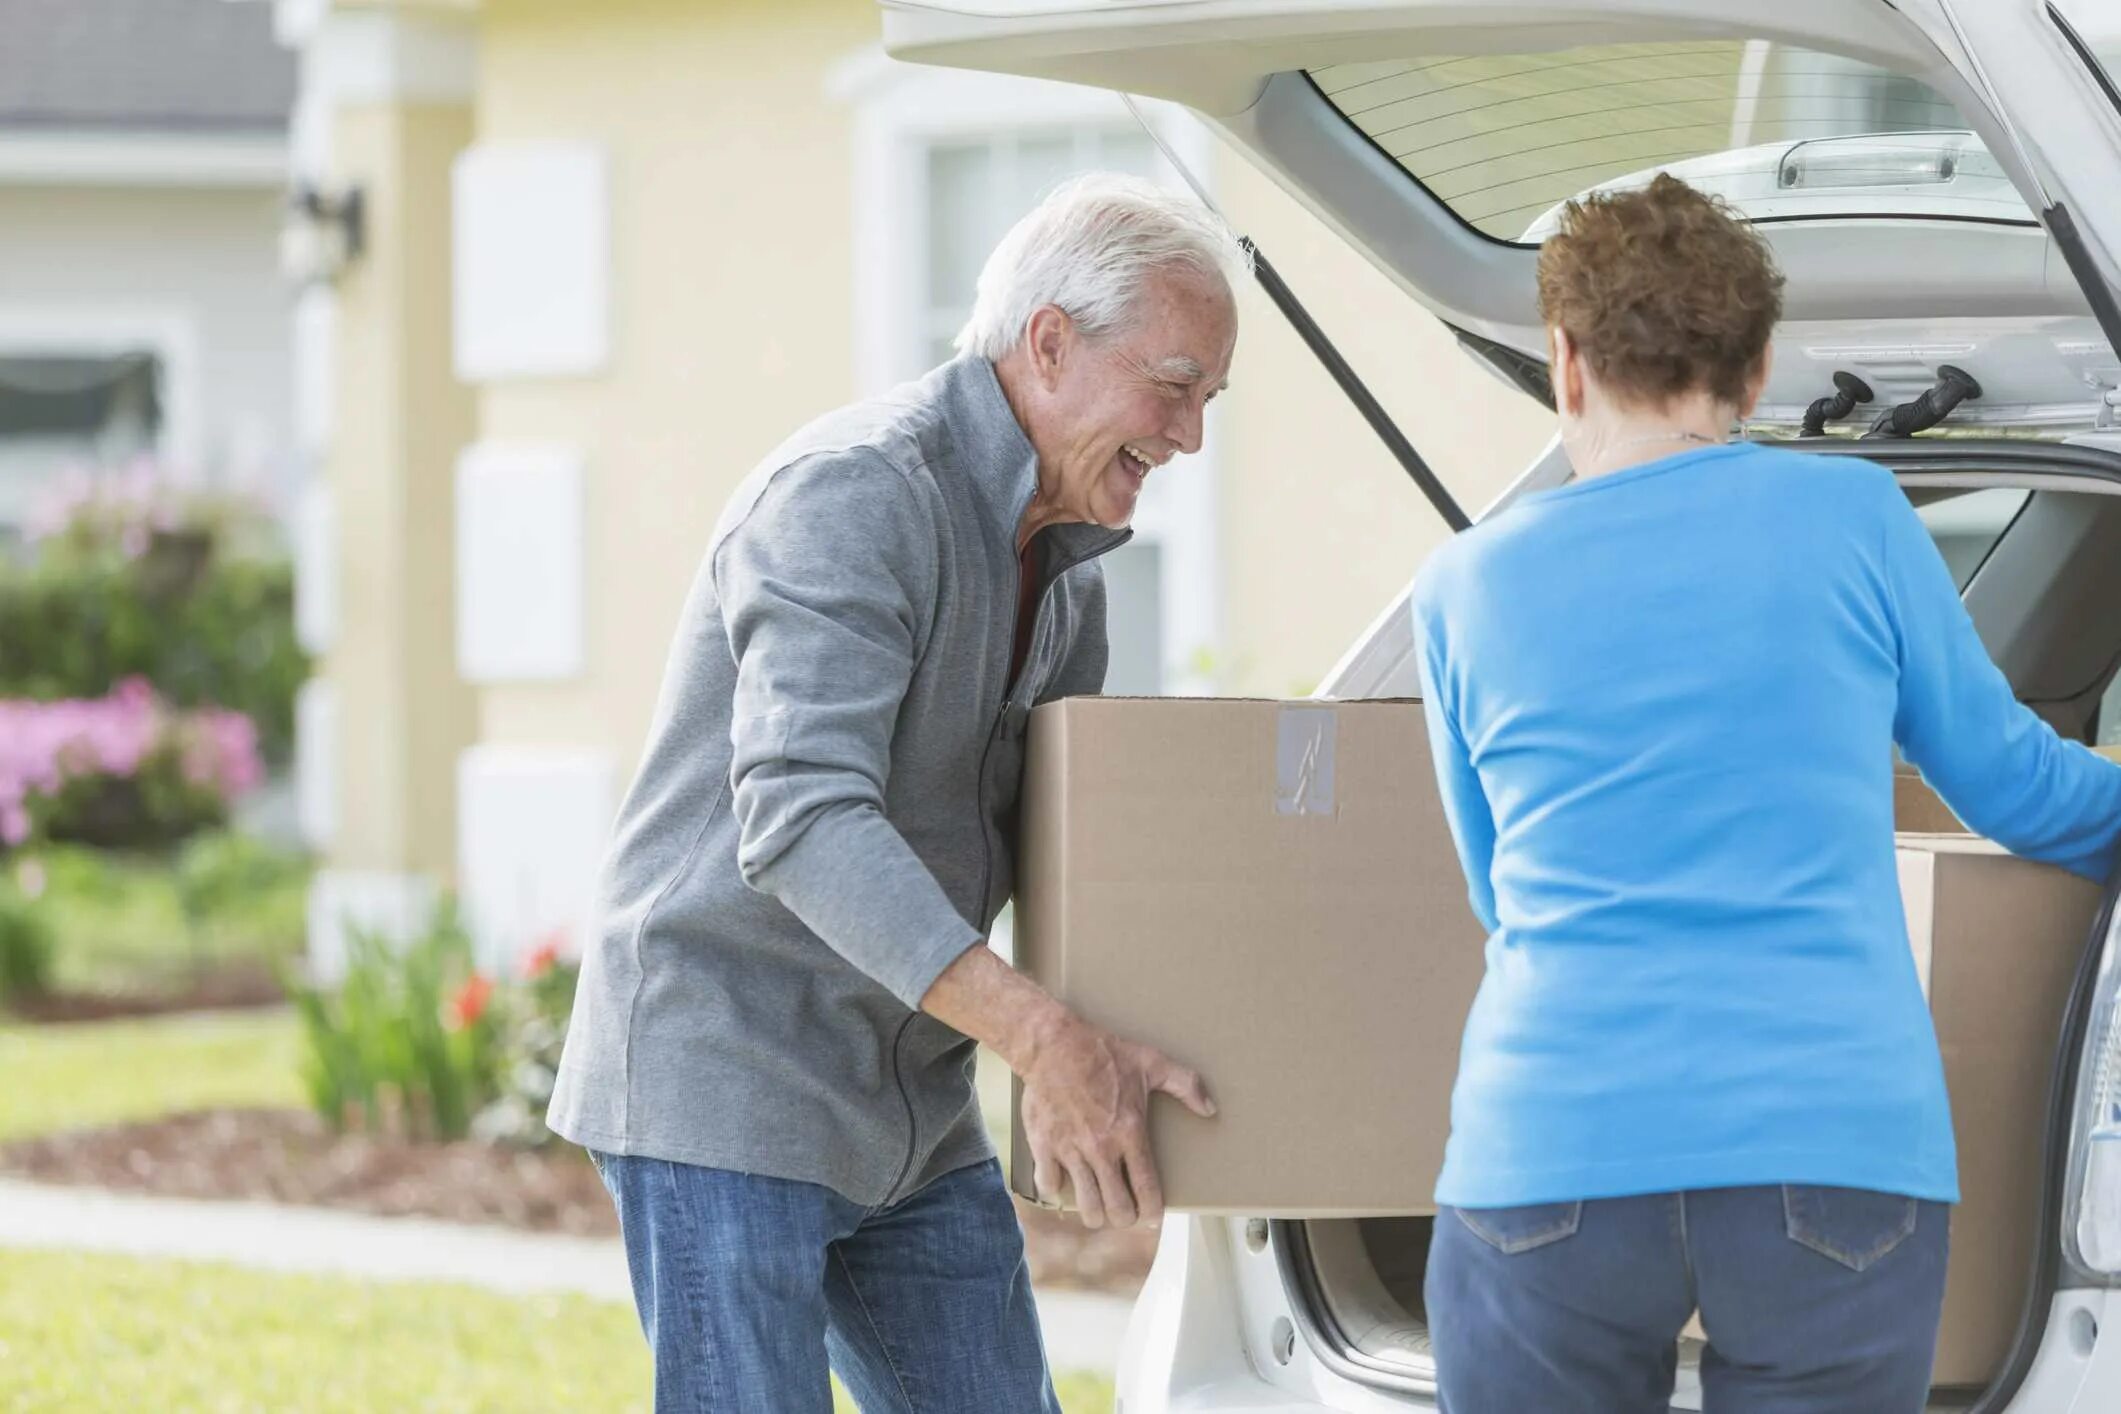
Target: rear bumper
1206 1335
1214 1330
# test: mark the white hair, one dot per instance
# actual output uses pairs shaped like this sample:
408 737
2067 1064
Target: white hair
1089 248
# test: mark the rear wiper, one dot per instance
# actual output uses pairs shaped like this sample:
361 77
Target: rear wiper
1337 367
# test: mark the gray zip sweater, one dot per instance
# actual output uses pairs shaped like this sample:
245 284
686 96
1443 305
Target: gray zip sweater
824 818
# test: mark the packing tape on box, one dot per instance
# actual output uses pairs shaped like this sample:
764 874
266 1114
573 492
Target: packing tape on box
1303 760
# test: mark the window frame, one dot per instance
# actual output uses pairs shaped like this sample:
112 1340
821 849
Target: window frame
2105 73
102 331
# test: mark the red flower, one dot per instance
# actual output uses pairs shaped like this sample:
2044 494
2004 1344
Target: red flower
469 1004
541 958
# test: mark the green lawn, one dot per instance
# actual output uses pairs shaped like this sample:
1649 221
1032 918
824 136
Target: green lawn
81 1332
91 1332
68 1077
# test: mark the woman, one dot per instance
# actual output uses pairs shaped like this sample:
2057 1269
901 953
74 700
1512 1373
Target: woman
1662 700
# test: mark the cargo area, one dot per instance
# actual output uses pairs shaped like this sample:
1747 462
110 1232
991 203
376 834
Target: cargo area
1998 942
1234 880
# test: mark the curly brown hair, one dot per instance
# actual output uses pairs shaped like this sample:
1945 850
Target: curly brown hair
1664 290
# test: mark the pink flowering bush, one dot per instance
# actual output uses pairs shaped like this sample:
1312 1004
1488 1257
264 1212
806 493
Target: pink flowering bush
124 511
131 572
120 770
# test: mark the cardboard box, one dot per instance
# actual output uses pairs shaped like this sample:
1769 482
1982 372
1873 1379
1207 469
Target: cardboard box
1267 892
1919 810
1997 941
2002 939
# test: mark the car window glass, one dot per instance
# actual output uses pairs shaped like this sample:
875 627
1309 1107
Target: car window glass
1967 526
1785 133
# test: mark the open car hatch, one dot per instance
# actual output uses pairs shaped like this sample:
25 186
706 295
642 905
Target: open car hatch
1931 209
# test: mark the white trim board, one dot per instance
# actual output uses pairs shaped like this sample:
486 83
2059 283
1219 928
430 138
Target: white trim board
317 762
532 827
396 906
374 56
144 159
531 260
520 556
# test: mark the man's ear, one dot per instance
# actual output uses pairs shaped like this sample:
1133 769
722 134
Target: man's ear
1050 340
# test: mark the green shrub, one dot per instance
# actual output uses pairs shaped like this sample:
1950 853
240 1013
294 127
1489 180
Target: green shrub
145 924
25 946
74 626
153 808
407 1043
223 874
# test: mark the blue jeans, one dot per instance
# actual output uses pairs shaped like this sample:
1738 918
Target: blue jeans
1815 1301
748 1286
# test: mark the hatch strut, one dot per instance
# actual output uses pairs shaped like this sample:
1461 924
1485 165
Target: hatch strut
2060 224
1292 309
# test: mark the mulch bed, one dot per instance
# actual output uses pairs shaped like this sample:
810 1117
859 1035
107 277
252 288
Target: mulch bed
288 1156
226 986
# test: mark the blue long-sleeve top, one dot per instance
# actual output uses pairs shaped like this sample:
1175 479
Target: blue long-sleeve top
1662 705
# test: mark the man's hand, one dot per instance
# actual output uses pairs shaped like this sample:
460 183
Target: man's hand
1086 1114
1086 1091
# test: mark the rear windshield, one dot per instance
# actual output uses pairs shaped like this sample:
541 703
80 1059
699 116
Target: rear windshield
1785 133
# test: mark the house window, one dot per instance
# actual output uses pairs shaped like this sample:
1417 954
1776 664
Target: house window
60 410
979 185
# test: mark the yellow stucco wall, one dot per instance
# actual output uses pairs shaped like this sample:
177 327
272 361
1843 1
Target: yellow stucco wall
1320 526
731 300
402 417
732 324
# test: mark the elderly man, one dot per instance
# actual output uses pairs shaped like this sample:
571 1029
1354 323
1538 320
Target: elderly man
771 1055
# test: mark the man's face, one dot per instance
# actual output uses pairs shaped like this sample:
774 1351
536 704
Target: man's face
1120 407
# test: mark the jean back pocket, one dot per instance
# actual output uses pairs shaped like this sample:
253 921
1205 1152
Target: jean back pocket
1514 1230
1853 1226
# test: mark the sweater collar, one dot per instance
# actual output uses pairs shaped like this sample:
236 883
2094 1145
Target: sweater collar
997 457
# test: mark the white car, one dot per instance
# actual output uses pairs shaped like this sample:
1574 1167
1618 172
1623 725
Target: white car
1941 181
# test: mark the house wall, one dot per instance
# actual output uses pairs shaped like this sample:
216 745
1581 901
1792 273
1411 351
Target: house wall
730 288
1321 527
657 275
195 273
730 213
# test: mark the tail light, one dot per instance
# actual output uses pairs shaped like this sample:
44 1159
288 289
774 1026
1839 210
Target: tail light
2091 1224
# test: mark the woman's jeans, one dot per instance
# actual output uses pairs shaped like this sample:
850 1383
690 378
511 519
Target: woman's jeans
746 1285
1815 1301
